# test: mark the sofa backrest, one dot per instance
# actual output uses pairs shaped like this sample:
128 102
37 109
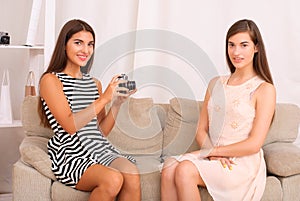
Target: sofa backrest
138 129
180 127
284 127
155 126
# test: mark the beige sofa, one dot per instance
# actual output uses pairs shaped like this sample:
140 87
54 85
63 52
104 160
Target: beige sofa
152 132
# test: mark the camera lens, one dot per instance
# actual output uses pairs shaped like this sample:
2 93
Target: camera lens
131 85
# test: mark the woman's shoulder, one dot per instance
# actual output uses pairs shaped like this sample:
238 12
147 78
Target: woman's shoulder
49 81
49 77
266 88
220 78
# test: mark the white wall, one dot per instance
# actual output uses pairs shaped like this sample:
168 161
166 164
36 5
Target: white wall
203 22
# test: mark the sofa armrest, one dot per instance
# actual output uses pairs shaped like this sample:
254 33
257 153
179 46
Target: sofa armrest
33 151
282 159
29 185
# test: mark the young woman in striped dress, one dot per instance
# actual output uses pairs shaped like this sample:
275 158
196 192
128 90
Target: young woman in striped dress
73 105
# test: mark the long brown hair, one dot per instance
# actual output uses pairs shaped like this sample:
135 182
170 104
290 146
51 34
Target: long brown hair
59 57
260 62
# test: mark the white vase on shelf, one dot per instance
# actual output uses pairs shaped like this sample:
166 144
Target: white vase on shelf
5 100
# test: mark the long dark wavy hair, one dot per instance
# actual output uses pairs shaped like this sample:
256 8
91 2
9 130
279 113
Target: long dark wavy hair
260 62
59 57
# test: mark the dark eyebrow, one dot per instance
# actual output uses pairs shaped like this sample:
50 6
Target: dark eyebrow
244 42
76 39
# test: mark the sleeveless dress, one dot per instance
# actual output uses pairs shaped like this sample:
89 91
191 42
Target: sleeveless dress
71 155
231 117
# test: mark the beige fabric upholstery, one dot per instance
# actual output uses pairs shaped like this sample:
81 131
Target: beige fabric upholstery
61 192
284 127
180 128
137 129
283 159
34 152
290 187
31 120
273 191
29 184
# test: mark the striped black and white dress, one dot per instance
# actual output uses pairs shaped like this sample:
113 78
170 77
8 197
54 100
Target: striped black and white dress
71 155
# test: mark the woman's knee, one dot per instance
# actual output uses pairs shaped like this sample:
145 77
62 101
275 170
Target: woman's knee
101 179
185 172
113 184
132 181
124 166
168 171
167 174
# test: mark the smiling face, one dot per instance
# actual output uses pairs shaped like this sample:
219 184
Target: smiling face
241 50
80 48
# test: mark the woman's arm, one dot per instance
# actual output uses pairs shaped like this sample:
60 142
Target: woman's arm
51 90
202 137
265 102
107 121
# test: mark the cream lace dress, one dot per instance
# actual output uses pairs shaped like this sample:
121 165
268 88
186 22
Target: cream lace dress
230 120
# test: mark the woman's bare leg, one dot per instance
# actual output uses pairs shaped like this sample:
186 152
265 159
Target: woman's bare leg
168 187
103 182
131 189
187 179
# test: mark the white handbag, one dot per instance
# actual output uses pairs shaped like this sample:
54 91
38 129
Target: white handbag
5 101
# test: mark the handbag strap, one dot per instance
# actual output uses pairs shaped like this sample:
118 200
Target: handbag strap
30 79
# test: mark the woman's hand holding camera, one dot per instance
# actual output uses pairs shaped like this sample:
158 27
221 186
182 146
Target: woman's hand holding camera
117 92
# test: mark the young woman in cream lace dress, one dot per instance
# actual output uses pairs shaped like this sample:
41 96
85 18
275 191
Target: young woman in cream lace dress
234 121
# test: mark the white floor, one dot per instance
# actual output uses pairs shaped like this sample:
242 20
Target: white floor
5 197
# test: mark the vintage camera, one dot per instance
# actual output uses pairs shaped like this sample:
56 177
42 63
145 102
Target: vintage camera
4 38
128 84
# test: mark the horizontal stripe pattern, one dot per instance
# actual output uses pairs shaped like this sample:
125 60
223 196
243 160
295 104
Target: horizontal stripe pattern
71 155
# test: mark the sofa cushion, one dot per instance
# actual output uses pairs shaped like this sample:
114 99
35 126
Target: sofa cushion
282 159
273 190
61 192
150 184
31 120
33 151
162 111
290 187
180 129
149 169
137 129
148 163
284 127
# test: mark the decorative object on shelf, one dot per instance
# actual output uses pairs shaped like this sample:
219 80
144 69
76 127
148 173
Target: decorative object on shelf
30 85
4 38
33 23
5 101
